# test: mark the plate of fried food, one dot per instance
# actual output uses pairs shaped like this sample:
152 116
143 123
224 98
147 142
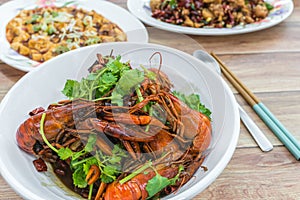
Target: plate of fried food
33 31
211 17
131 123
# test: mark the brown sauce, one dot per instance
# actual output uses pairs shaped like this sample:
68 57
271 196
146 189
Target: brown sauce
63 172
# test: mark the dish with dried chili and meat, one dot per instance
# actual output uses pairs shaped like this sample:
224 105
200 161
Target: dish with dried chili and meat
211 17
210 13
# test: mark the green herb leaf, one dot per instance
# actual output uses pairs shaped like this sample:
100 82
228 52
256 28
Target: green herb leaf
110 165
69 88
156 184
269 6
77 155
97 84
117 154
64 153
173 4
117 99
193 101
110 171
89 162
106 179
87 148
79 177
127 83
107 81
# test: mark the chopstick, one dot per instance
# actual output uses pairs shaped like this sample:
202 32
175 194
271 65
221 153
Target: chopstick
262 111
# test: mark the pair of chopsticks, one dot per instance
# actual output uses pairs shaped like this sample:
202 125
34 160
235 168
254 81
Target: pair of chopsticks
262 111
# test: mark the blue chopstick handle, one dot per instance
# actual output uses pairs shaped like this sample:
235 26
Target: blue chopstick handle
277 131
280 125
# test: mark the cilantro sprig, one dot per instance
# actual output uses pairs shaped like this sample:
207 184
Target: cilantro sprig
65 153
97 84
158 182
115 75
126 84
155 184
193 101
110 166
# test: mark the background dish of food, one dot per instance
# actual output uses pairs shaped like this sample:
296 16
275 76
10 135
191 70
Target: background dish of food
282 9
45 32
133 28
210 14
16 166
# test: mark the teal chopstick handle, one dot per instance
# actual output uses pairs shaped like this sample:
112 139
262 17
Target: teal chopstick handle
277 131
280 125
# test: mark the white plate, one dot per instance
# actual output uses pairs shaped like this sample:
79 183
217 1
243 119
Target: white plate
283 8
42 86
135 30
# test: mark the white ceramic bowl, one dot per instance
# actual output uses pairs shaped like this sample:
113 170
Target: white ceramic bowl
43 86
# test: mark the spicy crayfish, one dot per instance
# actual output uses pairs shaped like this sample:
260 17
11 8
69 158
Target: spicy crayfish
152 125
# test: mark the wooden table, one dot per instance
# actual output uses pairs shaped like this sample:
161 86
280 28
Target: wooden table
268 62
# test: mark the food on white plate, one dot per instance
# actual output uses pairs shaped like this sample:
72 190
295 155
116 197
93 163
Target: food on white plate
123 133
43 33
210 13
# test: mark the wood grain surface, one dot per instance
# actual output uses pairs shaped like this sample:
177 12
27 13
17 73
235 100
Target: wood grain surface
268 62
